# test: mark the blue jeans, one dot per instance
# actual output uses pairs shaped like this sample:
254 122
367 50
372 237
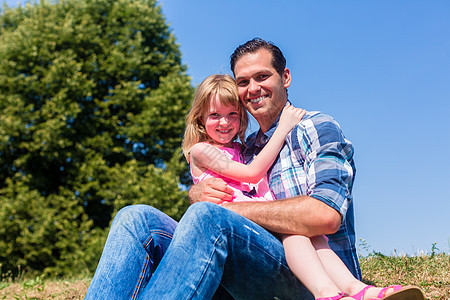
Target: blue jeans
146 258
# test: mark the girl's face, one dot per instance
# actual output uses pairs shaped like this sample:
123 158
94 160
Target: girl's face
221 122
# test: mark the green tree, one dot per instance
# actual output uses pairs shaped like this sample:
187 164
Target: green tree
92 99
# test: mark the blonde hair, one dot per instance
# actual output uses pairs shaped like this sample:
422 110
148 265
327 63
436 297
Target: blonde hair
225 88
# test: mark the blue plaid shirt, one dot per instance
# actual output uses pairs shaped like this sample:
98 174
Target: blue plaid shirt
316 160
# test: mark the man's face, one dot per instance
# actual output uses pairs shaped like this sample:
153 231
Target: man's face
261 89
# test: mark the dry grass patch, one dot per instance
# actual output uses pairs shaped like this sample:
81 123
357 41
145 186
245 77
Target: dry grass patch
48 289
430 273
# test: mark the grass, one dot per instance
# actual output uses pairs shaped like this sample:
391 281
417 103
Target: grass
431 272
38 288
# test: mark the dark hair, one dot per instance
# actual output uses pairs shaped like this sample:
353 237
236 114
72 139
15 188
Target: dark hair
252 46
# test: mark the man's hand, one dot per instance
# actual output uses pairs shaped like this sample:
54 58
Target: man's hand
211 190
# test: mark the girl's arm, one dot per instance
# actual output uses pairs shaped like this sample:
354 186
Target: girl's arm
209 157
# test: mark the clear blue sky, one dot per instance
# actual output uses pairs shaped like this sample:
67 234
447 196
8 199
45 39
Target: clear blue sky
380 68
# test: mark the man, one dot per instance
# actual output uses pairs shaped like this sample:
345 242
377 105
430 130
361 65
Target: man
232 245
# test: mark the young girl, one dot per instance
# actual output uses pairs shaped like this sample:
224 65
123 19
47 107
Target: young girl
214 122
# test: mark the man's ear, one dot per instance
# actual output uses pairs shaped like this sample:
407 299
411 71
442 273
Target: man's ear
286 77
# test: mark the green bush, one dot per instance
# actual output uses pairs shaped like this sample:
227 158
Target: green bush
92 103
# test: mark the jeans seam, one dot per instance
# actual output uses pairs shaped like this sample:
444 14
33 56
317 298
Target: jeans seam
141 278
147 260
161 232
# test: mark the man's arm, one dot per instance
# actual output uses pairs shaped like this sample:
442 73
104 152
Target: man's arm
301 215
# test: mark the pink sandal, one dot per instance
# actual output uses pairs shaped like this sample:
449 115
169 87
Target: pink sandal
337 297
360 294
399 293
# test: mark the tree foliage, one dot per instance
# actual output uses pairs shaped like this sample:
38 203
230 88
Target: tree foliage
92 99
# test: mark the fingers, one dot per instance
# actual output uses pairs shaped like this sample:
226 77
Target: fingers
215 190
301 112
292 111
216 198
289 107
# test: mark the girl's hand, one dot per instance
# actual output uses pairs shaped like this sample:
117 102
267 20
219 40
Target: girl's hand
290 117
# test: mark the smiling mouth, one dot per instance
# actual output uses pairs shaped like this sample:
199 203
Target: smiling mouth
224 131
257 100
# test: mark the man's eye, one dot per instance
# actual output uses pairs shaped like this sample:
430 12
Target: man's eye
242 83
262 77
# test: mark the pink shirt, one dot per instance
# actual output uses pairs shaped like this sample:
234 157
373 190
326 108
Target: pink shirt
242 191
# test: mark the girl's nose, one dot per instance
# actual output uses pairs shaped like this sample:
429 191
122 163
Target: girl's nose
223 120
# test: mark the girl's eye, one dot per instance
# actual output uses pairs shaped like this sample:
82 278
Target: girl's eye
233 115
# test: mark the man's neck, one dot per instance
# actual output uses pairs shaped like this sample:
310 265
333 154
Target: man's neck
266 122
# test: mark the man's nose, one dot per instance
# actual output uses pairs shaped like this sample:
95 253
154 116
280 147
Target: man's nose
253 86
